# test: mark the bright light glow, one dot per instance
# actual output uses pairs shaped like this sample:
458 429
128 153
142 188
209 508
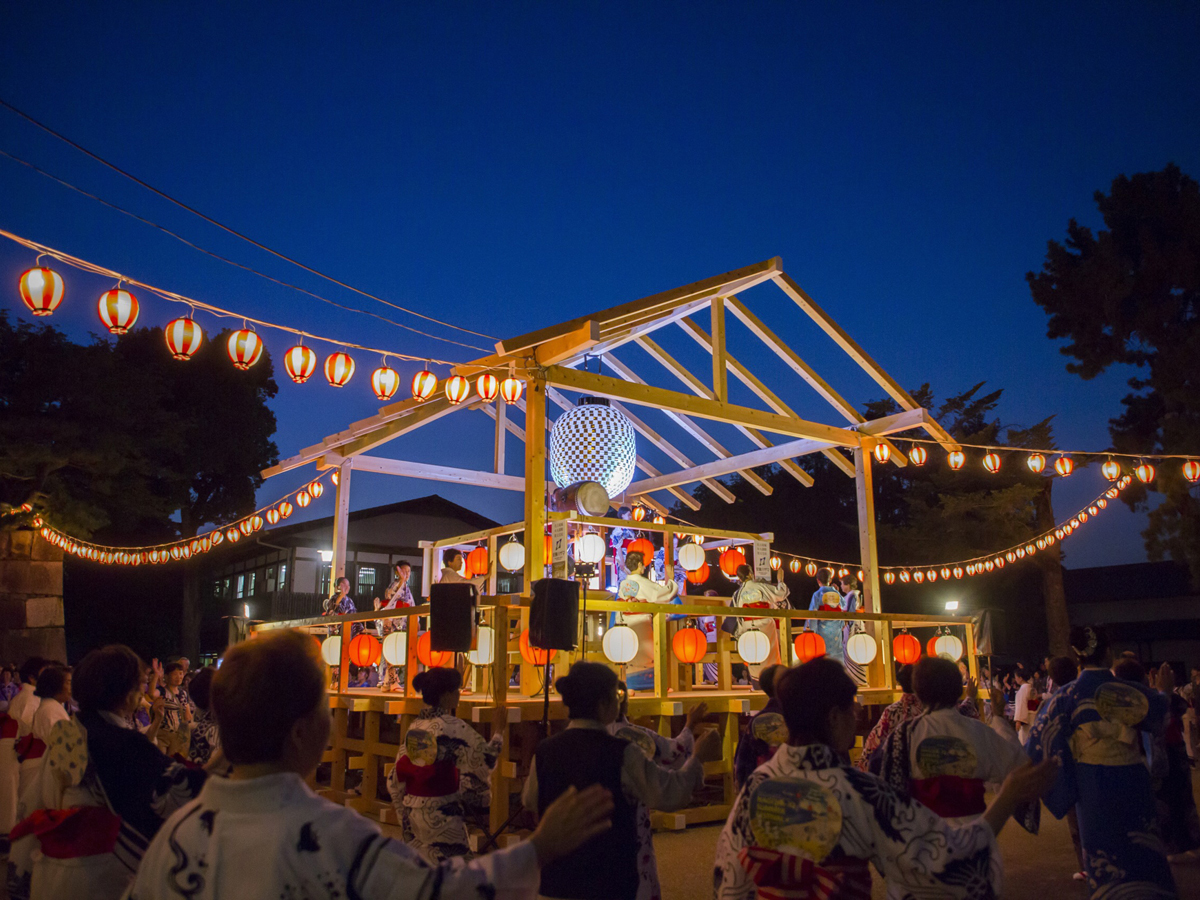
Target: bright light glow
486 644
590 548
951 605
326 556
593 442
246 610
395 648
620 644
753 646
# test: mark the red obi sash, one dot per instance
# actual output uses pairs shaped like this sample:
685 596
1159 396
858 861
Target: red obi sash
437 780
30 747
71 833
8 727
785 876
950 796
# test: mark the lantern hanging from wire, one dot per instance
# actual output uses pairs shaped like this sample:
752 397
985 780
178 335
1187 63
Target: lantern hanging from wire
485 646
339 368
991 462
285 509
41 290
700 575
1144 472
331 650
906 648
731 559
303 498
810 569
955 459
316 489
918 455
385 381
364 650
620 644
889 577
948 647
643 546
593 442
590 548
216 536
776 563
232 535
183 337
1036 463
457 389
244 348
430 658
918 576
300 362
905 576
808 646
794 567
477 562
882 452
1064 466
753 647
1111 470
424 383
395 648
690 556
511 388
930 645
638 513
535 656
512 555
689 645
861 648
487 386
1191 471
272 516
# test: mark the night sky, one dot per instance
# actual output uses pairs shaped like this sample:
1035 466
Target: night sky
507 166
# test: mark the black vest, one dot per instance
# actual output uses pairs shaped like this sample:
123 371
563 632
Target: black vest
605 868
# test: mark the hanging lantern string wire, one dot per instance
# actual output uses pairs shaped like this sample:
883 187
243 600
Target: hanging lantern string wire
1119 486
1102 454
231 262
226 228
219 312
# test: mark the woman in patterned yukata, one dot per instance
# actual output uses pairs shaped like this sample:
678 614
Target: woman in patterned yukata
444 767
753 594
397 596
851 601
1092 726
636 586
806 825
827 598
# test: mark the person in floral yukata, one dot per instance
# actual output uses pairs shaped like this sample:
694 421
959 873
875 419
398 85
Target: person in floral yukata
808 825
397 596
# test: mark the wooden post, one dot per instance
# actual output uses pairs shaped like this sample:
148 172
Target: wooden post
341 520
493 549
867 549
498 812
427 559
501 430
535 481
720 376
344 662
662 656
410 653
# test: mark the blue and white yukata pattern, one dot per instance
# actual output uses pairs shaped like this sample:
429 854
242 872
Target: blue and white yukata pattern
830 630
1092 726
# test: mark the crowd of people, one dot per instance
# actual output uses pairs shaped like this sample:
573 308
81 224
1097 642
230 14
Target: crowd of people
121 778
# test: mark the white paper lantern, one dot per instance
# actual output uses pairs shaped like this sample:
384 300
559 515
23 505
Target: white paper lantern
590 548
753 646
620 644
861 648
691 556
512 556
948 647
331 650
395 648
486 647
593 442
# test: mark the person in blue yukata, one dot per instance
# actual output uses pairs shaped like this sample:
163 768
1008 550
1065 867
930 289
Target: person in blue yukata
1093 726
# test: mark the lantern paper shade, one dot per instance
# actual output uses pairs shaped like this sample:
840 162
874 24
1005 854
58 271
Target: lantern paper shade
1145 473
931 646
364 650
183 337
700 575
639 513
511 388
1111 470
753 646
41 290
512 556
395 648
339 368
535 656
316 489
861 648
430 658
642 546
948 647
794 566
118 310
244 348
485 643
689 645
1191 471
991 462
300 363
331 650
811 570
457 389
285 509
906 649
691 556
620 644
304 498
1036 463
590 548
882 452
731 559
918 455
424 383
477 562
487 386
385 381
809 645
956 458
593 442
1064 466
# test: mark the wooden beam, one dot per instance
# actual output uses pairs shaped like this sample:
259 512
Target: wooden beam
431 472
788 450
868 552
501 433
568 345
341 521
720 380
535 480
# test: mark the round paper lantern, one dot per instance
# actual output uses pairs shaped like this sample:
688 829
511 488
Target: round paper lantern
1145 473
272 516
590 548
1111 470
809 645
861 648
906 648
535 656
1036 463
700 575
753 647
244 348
477 562
216 536
593 442
485 644
487 386
948 647
512 555
424 383
183 337
689 645
457 389
811 570
776 563
620 644
918 576
316 489
245 527
690 556
1064 466
510 389
395 648
256 522
639 513
930 646
285 509
300 362
364 650
660 520
731 559
1191 471
794 566
889 577
303 499
956 458
918 455
339 368
118 310
331 650
385 381
882 452
41 290
991 462
432 659
642 546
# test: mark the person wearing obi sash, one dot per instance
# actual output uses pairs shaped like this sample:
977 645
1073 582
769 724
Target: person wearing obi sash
765 732
806 825
753 594
943 758
636 587
826 598
397 596
443 769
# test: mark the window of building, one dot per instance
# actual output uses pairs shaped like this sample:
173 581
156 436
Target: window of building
270 579
283 583
366 578
251 580
326 588
241 587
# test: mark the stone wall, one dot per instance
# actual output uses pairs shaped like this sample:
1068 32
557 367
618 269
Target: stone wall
31 598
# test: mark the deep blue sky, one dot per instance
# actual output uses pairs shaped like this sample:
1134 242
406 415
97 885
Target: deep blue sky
508 166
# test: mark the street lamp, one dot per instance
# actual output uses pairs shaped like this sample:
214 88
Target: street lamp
951 605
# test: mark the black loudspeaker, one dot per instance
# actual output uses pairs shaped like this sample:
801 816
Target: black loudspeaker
451 616
554 614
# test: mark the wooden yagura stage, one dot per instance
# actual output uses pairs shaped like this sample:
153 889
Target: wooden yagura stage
550 362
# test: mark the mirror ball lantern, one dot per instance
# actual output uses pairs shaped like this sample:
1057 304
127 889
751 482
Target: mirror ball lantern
593 442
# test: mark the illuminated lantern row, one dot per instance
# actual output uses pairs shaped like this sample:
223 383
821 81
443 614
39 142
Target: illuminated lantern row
244 347
808 645
41 290
339 369
700 575
385 381
300 362
424 383
731 559
1111 470
183 337
118 310
882 452
457 389
689 645
918 455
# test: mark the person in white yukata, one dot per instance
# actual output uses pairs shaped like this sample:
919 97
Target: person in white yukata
807 824
637 586
752 594
262 832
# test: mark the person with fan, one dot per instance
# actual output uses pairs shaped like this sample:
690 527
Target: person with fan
754 594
